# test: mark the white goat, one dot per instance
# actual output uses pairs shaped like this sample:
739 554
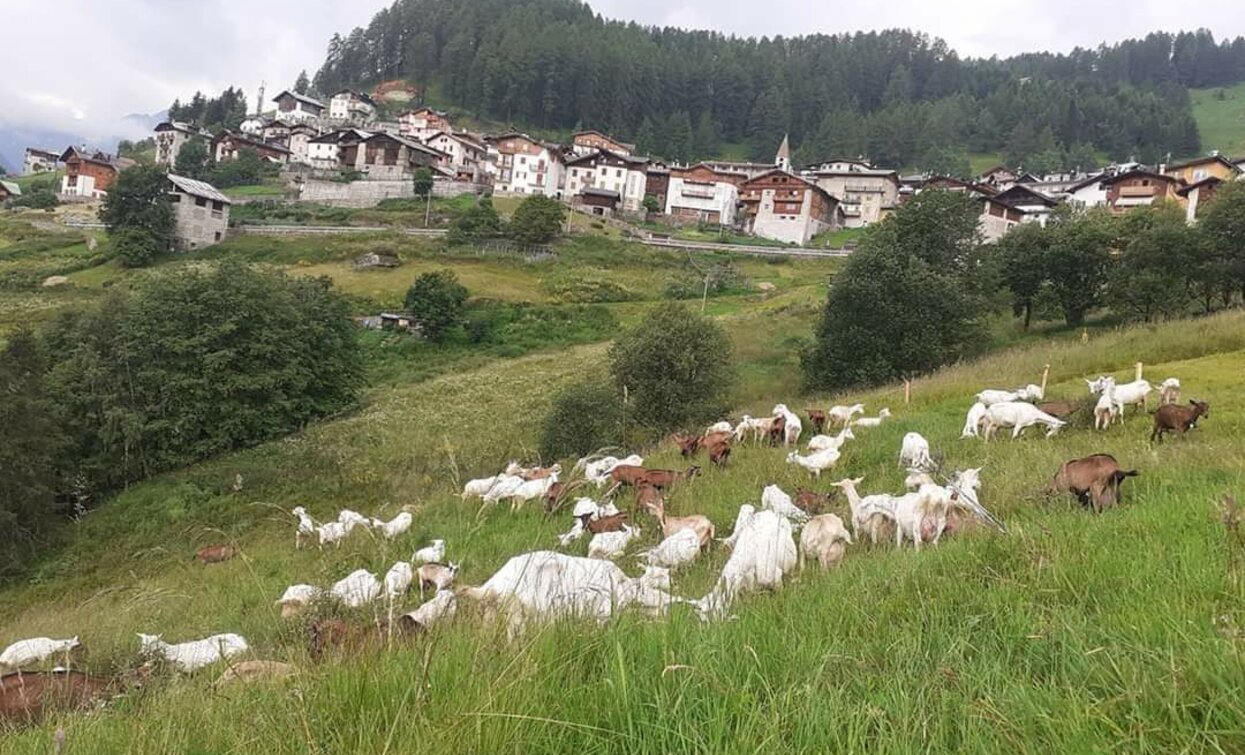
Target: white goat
972 421
431 554
297 598
333 532
531 489
442 606
679 548
306 526
1136 392
545 585
817 462
394 527
825 538
915 452
1030 392
720 427
359 588
352 519
574 533
35 650
763 553
793 427
1018 416
1169 392
870 514
1107 408
883 413
746 512
916 478
824 442
774 499
191 656
503 488
480 486
436 576
611 545
398 580
842 415
756 427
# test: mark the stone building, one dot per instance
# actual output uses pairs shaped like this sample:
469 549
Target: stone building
202 213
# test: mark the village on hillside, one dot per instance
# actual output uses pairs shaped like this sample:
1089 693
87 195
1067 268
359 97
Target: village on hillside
341 153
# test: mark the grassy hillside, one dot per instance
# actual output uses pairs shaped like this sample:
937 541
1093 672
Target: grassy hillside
1220 115
1072 633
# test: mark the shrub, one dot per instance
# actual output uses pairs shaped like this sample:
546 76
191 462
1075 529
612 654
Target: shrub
436 302
478 222
675 365
39 199
585 416
537 220
134 247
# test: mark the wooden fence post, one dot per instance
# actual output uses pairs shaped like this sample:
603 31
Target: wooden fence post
907 392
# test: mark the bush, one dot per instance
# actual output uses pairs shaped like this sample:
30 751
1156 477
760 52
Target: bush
908 301
40 199
585 417
587 290
195 363
675 366
537 220
134 247
436 302
478 222
722 277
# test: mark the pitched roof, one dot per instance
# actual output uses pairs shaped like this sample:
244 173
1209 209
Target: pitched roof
589 131
198 188
833 199
1108 180
1208 181
1204 160
246 140
1019 194
300 97
12 188
594 191
357 95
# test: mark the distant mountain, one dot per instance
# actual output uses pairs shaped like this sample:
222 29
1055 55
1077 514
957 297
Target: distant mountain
14 140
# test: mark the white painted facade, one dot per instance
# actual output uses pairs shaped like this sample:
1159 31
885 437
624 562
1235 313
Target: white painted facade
1089 194
711 202
793 229
349 106
627 177
534 170
39 161
84 186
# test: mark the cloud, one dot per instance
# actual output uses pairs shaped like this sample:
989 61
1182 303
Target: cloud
94 61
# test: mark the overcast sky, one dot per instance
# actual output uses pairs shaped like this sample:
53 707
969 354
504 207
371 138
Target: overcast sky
80 65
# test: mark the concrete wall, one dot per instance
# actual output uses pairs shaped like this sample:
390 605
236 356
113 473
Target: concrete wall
369 193
199 226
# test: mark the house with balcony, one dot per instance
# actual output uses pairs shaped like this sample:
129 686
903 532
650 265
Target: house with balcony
1140 188
171 136
699 194
422 123
527 166
39 161
293 107
1034 206
1212 166
784 207
89 173
867 194
201 213
467 153
355 108
227 145
587 142
608 171
1196 195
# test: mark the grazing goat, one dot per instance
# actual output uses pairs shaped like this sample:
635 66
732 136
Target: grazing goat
915 452
778 431
435 577
1018 416
432 554
1176 418
883 413
214 554
719 454
763 552
817 462
26 696
480 486
722 427
868 512
1136 392
540 473
972 421
531 489
679 548
358 588
666 478
824 442
306 527
1169 392
296 599
192 656
546 585
36 650
398 580
339 633
1107 407
825 538
611 545
697 523
442 606
1030 392
754 427
598 471
817 418
688 444
503 489
812 502
352 519
649 499
1094 480
842 415
611 523
1061 409
394 527
792 427
774 499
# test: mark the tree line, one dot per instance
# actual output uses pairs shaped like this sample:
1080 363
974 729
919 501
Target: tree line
920 289
897 96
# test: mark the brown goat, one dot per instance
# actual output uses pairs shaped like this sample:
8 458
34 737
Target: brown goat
697 523
25 696
1060 409
613 523
328 634
811 502
1094 480
817 418
1177 418
214 554
649 498
627 475
664 478
688 444
710 440
720 453
778 430
553 497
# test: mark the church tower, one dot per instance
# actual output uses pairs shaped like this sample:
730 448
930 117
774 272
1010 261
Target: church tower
783 158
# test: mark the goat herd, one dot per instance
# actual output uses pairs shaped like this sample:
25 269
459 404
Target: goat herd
549 584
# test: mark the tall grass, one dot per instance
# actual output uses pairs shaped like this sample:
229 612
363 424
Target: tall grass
1072 633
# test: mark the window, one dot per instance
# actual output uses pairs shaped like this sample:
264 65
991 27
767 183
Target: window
618 173
175 198
200 202
218 206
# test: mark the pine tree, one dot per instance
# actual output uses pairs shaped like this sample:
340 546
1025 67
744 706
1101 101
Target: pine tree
302 85
705 139
679 136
